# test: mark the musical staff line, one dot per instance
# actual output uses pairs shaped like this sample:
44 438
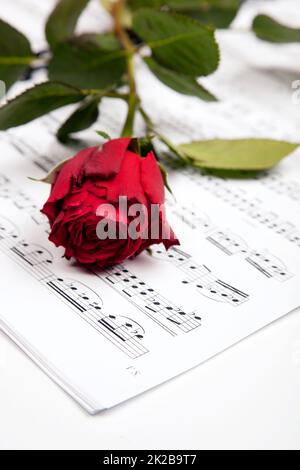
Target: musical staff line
237 198
166 314
280 186
22 201
201 277
231 244
155 310
121 331
264 261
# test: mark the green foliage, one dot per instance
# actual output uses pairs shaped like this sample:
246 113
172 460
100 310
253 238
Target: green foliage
243 154
36 102
62 21
15 54
88 62
104 135
217 13
179 82
270 30
81 119
177 42
106 41
84 68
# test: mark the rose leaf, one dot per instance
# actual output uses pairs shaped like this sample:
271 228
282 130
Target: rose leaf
243 154
36 102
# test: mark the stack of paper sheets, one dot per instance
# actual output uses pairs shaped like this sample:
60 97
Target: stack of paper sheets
108 336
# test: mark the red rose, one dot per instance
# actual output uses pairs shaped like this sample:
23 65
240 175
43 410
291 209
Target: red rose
87 191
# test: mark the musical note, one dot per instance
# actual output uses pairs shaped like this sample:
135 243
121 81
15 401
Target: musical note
265 262
228 243
7 229
269 265
18 198
21 201
190 216
121 331
26 149
201 277
147 299
32 253
123 327
294 237
252 208
45 163
3 180
281 186
5 192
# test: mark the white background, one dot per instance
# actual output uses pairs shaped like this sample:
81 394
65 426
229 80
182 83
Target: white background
247 397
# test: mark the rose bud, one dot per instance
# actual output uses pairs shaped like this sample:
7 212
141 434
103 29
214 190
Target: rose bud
107 204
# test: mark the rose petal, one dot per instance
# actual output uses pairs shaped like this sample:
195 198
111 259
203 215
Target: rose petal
152 181
106 162
70 172
128 180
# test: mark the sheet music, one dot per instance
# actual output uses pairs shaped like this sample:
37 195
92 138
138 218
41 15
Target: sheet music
107 336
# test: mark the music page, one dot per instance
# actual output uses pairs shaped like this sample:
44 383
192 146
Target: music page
107 335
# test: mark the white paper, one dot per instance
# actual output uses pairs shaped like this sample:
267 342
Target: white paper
108 336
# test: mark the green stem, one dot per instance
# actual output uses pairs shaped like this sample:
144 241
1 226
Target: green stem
133 99
161 137
17 60
102 93
129 123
